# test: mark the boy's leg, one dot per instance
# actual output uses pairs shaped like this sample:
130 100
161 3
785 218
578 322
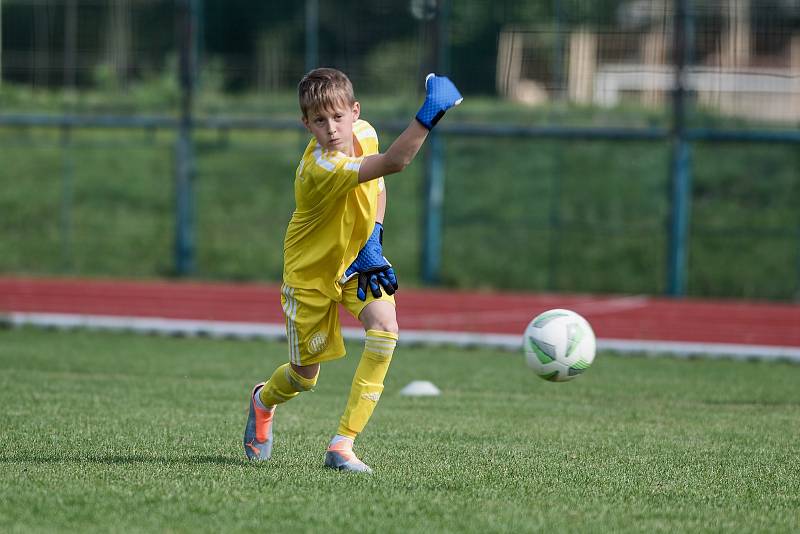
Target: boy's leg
380 322
284 384
288 381
312 325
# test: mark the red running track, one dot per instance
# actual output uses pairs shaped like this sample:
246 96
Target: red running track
612 317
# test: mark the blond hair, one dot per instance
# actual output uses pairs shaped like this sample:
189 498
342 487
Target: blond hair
326 89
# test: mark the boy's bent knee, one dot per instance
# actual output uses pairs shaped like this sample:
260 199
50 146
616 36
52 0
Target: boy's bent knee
380 315
305 375
383 324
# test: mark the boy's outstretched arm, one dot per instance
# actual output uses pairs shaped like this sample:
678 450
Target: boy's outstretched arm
440 95
397 157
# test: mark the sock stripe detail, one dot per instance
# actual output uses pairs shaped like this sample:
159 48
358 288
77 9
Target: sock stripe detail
380 334
380 343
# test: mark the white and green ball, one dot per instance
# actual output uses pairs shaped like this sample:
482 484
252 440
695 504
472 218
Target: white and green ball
559 345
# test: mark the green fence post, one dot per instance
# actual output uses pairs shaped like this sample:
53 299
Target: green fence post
554 219
797 277
558 52
797 272
680 162
312 34
67 175
434 159
184 147
434 201
679 221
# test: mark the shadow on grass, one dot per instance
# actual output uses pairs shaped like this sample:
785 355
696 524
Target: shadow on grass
125 459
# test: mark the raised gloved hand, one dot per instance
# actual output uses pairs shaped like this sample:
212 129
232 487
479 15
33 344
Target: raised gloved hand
440 95
372 268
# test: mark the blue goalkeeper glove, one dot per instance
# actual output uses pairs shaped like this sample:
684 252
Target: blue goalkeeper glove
440 95
372 268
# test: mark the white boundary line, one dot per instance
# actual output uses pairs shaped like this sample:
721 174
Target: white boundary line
227 329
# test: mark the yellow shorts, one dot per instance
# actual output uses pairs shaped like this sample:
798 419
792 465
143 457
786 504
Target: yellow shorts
312 321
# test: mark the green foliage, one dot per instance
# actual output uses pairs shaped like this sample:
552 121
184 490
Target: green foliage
391 68
115 432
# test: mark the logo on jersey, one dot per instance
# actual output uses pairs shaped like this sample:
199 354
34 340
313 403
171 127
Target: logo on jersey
317 343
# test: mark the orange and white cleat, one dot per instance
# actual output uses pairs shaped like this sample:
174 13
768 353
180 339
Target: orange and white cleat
258 432
340 456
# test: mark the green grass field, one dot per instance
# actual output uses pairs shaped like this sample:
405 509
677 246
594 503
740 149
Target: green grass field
118 432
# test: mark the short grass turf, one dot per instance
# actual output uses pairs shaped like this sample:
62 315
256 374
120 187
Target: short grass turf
119 432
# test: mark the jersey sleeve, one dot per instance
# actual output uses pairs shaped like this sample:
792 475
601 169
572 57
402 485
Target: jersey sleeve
333 173
367 137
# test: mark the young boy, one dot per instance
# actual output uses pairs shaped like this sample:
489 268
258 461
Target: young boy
333 252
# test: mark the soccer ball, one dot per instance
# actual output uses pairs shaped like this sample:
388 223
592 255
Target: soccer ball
559 345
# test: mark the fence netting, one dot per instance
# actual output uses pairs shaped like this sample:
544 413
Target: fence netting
543 207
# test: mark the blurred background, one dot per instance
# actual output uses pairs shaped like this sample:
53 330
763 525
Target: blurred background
604 146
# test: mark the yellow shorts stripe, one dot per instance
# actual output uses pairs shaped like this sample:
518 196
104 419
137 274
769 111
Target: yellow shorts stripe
290 311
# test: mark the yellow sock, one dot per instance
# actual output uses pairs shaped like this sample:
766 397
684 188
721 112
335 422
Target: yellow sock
284 384
367 382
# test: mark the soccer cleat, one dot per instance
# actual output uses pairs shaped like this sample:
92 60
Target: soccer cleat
258 432
342 458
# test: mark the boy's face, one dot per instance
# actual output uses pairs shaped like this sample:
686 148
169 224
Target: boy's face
333 128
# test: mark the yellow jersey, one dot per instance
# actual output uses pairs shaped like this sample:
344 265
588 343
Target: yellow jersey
334 214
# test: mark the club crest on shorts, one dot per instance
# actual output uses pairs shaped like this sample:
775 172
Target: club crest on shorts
317 343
